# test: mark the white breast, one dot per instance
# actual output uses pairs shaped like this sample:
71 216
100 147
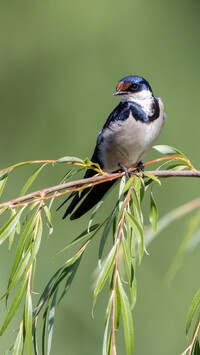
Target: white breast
126 142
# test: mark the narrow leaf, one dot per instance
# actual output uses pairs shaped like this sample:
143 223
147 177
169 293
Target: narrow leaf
48 219
196 347
127 319
105 234
10 225
15 304
31 179
28 322
122 186
117 308
70 276
4 175
152 177
153 213
50 322
128 184
138 231
130 266
192 310
20 247
70 160
167 149
106 338
105 271
2 185
18 346
46 294
177 167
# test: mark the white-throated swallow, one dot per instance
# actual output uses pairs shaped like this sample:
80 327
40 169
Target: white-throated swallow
129 132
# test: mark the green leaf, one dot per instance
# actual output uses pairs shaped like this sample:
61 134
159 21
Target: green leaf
153 213
122 186
127 319
3 209
177 167
4 175
137 184
138 232
50 322
117 308
196 348
130 266
48 219
10 225
152 177
70 160
90 164
28 257
2 185
105 234
20 247
15 304
28 311
167 149
71 271
19 342
125 186
19 271
12 235
135 202
109 308
192 310
46 294
104 272
106 338
31 179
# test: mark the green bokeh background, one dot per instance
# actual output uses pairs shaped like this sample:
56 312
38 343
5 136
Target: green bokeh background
59 64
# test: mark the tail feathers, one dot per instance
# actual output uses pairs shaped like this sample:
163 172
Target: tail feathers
72 205
92 198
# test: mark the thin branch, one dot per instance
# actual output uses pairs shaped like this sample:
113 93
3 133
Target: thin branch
89 182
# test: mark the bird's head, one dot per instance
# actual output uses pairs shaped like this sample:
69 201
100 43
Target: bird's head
133 88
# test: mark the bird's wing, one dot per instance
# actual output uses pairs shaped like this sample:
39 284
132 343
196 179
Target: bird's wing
122 112
96 193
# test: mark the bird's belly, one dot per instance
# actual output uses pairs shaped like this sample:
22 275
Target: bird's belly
126 142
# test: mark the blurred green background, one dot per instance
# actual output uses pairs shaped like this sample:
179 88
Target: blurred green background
59 64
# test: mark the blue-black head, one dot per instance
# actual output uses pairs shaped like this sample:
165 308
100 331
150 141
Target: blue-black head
131 85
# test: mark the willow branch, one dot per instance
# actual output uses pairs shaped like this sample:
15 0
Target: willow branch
80 184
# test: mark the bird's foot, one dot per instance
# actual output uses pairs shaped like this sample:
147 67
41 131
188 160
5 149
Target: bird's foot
140 166
127 172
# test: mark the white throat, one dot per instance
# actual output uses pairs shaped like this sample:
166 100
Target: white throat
143 98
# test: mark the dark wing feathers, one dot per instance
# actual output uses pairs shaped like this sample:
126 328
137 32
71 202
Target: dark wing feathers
122 112
95 194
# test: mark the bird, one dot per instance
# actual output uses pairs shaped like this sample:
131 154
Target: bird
127 135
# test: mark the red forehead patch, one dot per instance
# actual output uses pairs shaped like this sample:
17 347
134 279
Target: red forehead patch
121 86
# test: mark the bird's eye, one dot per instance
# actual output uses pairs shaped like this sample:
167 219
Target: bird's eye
134 87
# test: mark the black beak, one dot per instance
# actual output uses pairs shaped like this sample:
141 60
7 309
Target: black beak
119 92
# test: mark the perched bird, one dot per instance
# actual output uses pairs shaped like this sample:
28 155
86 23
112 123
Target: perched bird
129 132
